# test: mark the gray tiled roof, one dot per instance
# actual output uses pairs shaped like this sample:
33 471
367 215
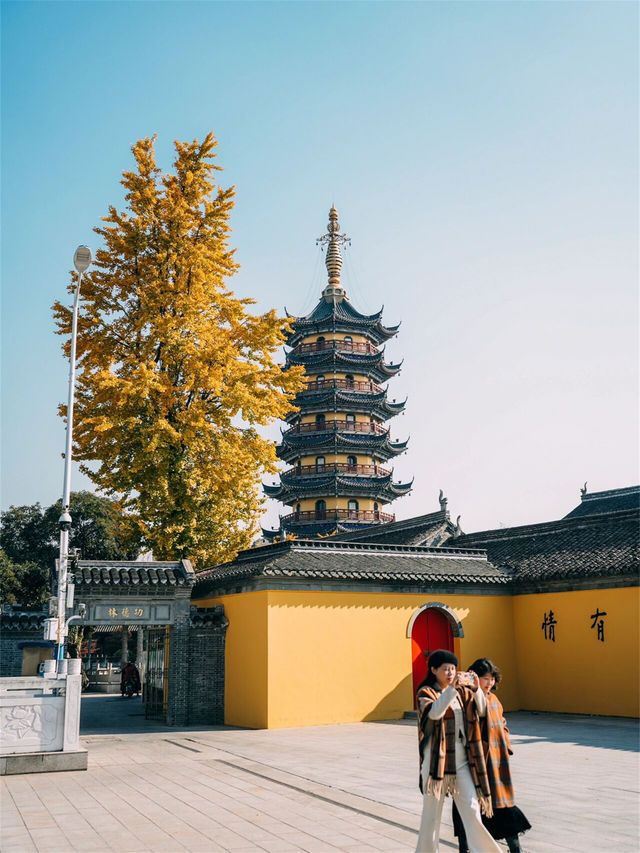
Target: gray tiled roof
422 529
614 500
330 560
589 546
342 317
134 572
14 618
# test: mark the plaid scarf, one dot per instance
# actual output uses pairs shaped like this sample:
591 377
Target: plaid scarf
497 749
442 736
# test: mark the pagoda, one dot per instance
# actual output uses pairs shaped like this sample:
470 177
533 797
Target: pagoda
337 443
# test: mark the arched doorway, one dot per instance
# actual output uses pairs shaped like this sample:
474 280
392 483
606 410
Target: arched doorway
431 629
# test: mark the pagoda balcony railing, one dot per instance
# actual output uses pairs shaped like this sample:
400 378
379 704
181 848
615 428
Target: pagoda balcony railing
349 384
342 467
336 514
329 425
343 346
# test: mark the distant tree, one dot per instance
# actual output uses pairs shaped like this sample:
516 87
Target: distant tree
100 530
24 535
22 583
29 538
174 372
9 584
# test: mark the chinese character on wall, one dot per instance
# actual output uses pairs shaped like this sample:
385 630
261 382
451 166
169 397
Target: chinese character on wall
549 626
113 612
598 622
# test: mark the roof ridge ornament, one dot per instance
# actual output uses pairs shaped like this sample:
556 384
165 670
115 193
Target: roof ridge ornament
333 239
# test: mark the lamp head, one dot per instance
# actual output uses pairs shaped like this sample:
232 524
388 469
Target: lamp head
82 258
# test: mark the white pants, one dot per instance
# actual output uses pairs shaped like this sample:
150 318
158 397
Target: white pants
466 799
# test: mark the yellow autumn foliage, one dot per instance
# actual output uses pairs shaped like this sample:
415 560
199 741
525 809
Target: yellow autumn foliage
174 372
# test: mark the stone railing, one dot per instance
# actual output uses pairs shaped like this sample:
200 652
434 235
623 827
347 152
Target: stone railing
40 722
343 346
327 425
340 467
337 514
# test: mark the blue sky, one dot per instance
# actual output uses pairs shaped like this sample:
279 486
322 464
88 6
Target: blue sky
482 156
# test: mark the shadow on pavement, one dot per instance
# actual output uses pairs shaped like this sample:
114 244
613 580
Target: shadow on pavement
107 714
535 726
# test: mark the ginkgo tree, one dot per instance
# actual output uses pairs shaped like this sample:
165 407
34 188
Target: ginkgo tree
175 373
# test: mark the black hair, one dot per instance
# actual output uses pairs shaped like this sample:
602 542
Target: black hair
436 659
484 666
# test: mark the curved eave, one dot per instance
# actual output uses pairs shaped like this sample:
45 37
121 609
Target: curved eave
342 310
401 489
378 446
391 369
387 332
274 492
370 364
397 447
328 480
269 534
360 403
330 355
375 488
294 437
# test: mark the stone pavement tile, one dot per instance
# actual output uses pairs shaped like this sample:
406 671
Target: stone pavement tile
313 845
19 845
279 845
578 767
48 841
153 821
13 834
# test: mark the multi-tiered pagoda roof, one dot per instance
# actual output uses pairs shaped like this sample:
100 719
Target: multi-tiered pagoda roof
336 441
340 317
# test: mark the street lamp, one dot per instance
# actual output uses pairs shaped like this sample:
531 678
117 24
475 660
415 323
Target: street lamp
81 261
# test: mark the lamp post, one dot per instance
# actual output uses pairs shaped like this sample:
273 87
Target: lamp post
81 261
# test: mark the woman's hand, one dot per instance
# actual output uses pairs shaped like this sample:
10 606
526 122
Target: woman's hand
474 686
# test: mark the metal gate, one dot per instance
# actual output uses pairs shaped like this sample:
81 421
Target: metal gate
156 682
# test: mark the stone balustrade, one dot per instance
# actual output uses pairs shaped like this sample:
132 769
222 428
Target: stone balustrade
40 721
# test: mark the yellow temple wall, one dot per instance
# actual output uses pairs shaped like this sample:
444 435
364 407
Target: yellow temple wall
308 504
357 377
338 657
578 673
337 336
331 416
362 458
246 658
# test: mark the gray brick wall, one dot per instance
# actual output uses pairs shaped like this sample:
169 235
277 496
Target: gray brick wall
206 672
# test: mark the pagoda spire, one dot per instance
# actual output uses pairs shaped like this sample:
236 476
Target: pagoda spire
333 292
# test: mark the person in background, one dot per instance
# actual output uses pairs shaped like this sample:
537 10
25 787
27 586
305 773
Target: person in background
451 753
507 820
130 673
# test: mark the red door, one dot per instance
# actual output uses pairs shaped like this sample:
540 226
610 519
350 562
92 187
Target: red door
431 631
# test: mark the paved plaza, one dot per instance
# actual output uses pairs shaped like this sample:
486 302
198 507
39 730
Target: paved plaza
326 788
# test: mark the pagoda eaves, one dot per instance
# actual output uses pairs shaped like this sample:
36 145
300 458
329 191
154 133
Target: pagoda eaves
336 441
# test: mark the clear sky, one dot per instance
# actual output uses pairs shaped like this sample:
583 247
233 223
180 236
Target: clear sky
483 158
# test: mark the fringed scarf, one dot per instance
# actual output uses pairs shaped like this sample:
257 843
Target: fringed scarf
442 736
497 749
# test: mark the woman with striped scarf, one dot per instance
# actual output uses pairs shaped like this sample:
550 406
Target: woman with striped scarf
507 820
451 754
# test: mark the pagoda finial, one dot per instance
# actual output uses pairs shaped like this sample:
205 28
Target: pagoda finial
334 240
